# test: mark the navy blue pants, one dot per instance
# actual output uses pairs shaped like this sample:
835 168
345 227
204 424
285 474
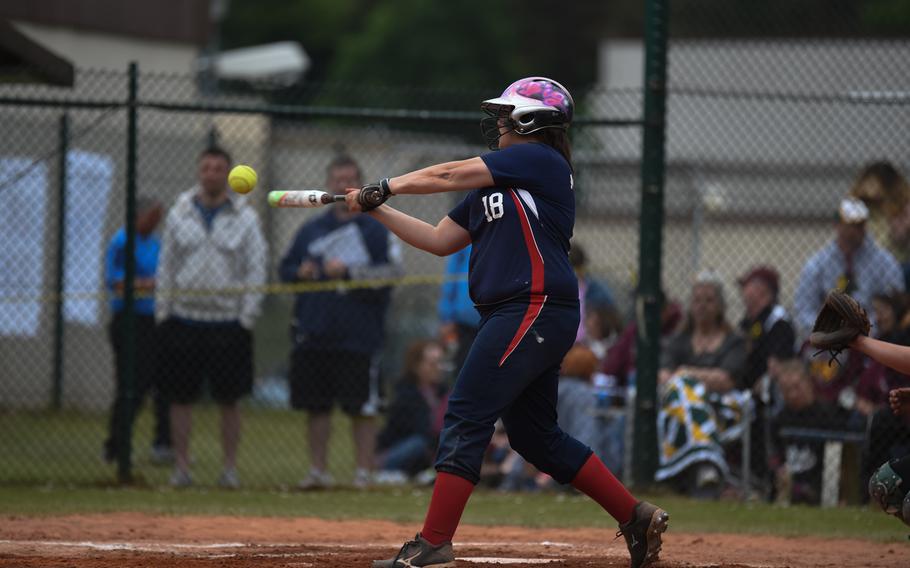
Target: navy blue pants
512 372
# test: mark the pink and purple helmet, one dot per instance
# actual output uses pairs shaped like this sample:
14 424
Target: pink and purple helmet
529 105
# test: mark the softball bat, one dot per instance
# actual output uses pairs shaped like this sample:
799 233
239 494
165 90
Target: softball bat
302 198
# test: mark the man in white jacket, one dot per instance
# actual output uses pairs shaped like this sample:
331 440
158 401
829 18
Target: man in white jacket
211 268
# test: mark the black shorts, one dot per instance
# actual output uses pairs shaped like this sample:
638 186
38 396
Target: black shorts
191 354
320 378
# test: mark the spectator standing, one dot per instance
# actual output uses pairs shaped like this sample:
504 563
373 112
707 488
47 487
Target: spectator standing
406 443
338 333
148 246
886 194
458 317
852 262
212 241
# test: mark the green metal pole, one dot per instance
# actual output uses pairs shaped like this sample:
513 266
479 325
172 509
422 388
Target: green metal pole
59 265
128 373
648 300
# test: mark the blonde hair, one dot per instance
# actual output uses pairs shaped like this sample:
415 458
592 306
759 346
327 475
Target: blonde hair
882 188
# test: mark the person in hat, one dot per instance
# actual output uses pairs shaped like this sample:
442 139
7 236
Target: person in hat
766 325
770 340
852 262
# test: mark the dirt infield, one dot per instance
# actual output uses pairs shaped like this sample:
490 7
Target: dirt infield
132 540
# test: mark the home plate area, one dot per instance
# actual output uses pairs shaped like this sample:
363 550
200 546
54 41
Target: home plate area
133 540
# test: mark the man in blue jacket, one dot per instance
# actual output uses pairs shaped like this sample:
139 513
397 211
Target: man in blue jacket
338 332
148 245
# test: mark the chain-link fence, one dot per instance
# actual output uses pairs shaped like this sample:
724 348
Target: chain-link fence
764 139
323 340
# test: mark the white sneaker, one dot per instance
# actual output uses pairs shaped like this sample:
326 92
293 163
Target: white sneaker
362 479
425 478
316 480
180 478
229 479
390 477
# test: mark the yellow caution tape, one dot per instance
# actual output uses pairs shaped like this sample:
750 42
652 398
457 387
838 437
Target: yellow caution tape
273 288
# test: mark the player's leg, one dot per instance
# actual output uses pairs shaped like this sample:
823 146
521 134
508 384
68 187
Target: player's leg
231 378
181 361
119 403
482 392
531 422
534 433
311 378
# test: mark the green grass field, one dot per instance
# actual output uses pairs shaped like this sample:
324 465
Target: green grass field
485 508
50 464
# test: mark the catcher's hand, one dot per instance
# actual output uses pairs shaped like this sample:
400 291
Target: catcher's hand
899 400
373 195
838 323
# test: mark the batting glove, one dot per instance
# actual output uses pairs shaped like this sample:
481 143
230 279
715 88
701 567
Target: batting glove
373 195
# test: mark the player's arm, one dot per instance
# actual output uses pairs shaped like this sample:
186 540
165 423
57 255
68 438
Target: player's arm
442 240
461 175
891 355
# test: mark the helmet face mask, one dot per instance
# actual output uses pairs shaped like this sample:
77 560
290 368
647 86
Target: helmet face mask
527 105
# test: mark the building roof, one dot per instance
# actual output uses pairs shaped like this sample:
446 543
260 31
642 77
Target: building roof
22 60
182 21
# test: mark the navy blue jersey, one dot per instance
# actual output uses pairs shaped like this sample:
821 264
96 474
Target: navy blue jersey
520 228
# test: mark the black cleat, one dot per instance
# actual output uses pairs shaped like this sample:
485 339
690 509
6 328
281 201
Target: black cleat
419 553
643 533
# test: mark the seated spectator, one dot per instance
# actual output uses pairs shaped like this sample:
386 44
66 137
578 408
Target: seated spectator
620 359
770 338
797 464
496 458
702 404
877 380
592 293
581 413
406 443
602 325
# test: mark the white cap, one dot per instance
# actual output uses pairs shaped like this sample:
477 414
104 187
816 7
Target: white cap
853 211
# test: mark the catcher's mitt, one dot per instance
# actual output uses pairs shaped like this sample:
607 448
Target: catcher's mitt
838 323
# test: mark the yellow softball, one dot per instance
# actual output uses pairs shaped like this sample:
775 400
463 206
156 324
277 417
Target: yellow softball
242 179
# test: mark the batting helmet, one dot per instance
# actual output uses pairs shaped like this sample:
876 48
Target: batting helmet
526 106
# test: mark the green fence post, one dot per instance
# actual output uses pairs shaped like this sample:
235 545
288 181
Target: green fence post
127 376
648 301
59 265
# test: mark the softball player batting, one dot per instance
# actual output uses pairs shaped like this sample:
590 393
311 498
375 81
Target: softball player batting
519 221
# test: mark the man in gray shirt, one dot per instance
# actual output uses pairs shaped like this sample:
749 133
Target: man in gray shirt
852 262
212 241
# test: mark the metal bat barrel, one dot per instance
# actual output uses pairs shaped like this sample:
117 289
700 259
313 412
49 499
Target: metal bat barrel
302 198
